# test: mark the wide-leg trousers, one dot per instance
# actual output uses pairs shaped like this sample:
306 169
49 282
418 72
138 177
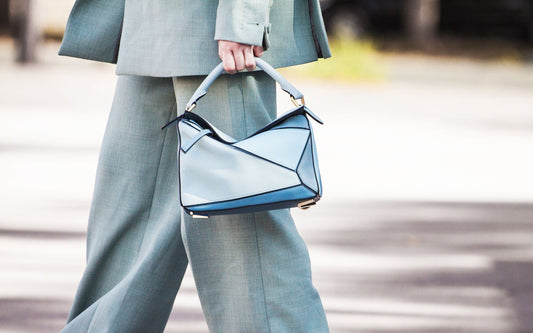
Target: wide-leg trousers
252 271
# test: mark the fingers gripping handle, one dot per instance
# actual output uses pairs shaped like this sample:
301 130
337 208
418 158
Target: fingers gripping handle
215 73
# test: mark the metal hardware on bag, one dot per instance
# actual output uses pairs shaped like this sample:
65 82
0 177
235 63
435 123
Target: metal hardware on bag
189 109
198 216
295 102
306 204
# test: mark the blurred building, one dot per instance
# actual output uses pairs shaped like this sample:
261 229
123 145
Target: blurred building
28 21
31 20
505 18
355 17
49 17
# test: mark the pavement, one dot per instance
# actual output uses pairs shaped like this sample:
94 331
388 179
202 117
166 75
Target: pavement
426 224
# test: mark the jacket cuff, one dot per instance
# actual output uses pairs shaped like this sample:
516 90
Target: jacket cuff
243 21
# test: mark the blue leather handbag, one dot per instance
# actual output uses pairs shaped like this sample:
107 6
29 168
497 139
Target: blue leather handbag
274 168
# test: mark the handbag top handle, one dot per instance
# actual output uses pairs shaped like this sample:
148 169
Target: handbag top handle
215 73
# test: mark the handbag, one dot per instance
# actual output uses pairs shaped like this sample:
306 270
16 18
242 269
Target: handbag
274 168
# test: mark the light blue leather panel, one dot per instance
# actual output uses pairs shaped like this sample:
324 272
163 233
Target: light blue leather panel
306 168
185 146
297 121
277 150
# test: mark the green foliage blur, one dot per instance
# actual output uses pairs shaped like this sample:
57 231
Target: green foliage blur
352 60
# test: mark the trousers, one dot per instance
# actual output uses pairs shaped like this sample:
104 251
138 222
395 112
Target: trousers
252 271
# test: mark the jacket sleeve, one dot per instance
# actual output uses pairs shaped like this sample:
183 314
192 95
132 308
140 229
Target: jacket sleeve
244 21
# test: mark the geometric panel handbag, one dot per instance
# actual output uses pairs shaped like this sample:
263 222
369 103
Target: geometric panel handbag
274 168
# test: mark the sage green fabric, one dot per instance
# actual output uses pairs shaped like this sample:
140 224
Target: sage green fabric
93 30
252 271
165 38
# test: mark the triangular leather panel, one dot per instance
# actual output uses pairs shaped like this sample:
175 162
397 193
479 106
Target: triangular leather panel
299 121
272 145
306 168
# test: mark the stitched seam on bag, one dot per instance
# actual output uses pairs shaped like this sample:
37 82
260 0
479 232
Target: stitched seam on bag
261 271
244 151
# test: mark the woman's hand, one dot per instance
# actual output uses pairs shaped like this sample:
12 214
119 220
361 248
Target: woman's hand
236 56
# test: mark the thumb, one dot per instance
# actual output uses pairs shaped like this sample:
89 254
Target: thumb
258 51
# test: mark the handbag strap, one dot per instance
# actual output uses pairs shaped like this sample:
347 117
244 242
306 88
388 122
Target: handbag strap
219 69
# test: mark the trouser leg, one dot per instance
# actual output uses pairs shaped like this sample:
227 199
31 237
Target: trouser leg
252 271
135 254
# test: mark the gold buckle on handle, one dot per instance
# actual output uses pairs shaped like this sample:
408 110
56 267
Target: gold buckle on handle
189 109
295 102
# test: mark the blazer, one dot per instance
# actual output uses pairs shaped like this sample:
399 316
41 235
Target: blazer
166 38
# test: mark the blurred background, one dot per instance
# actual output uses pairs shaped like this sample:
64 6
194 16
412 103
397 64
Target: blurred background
426 224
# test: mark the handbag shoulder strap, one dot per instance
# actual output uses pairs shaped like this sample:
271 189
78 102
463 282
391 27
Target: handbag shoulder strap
219 69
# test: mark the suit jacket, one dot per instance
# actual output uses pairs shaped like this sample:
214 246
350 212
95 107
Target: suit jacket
179 37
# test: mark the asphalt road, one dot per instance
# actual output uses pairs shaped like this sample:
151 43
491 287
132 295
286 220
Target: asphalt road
426 224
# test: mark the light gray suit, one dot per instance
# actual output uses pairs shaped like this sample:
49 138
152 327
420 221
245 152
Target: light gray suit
252 271
178 37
